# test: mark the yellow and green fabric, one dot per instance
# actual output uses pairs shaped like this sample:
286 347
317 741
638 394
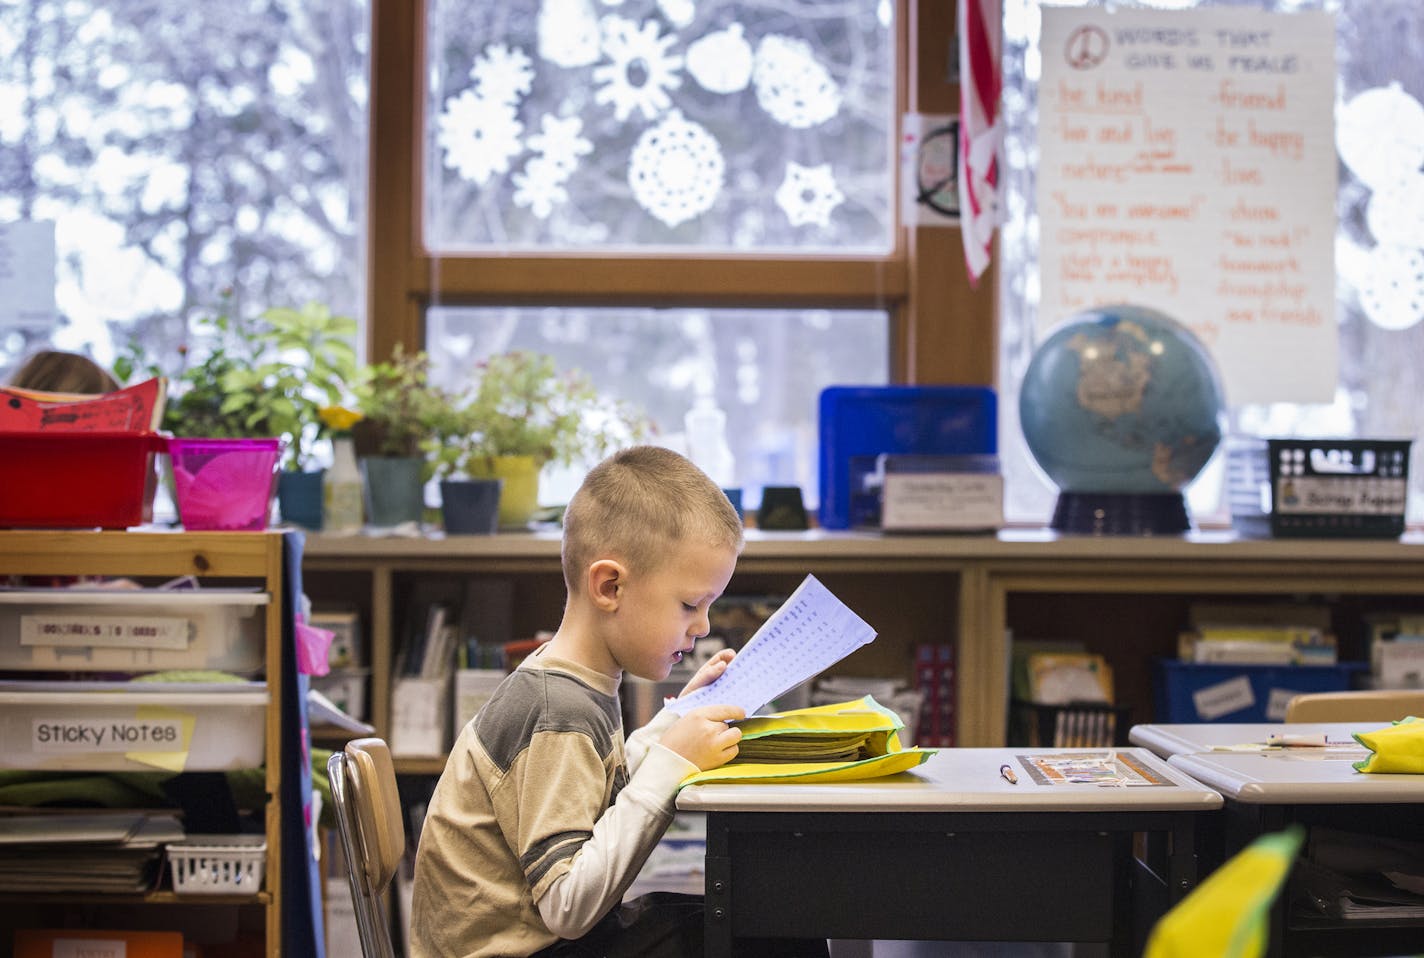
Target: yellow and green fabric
1395 748
1228 914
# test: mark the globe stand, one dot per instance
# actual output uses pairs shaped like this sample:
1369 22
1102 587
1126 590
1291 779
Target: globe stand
1121 513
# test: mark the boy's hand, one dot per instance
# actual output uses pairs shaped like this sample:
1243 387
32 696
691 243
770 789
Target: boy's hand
710 672
703 736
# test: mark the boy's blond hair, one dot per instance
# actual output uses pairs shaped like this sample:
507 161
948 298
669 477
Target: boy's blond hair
637 505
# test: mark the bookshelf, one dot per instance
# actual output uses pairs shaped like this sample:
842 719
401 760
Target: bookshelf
1126 598
238 559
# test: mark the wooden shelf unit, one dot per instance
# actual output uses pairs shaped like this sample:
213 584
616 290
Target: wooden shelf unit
235 558
1123 596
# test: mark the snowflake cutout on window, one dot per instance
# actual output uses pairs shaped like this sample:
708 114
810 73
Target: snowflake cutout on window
676 170
792 85
721 62
678 12
568 32
540 186
479 135
502 75
808 194
640 71
1380 135
1396 212
561 141
1393 295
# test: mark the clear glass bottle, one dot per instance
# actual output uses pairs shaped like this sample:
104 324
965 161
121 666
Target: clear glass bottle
341 489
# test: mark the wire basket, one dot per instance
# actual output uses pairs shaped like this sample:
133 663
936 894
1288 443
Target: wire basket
218 864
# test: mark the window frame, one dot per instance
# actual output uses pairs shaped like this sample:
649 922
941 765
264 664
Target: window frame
942 328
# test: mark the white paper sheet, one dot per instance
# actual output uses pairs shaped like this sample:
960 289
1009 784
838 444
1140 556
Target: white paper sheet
812 631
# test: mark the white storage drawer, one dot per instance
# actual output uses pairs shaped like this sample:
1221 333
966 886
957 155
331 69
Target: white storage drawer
132 726
142 630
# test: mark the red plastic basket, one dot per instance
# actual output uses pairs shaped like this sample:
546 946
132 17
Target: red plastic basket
76 480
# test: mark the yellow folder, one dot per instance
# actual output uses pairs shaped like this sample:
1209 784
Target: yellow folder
841 742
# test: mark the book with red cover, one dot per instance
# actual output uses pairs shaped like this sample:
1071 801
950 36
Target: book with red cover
77 942
136 408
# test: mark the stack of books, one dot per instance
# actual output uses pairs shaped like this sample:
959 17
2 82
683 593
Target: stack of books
1266 634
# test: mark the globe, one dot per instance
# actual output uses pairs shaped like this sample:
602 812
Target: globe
1121 407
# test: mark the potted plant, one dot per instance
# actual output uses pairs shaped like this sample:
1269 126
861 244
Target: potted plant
522 414
399 411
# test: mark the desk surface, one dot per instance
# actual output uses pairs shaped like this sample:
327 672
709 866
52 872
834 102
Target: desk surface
1168 740
1298 776
962 780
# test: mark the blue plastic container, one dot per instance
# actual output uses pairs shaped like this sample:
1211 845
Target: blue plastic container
858 423
1226 692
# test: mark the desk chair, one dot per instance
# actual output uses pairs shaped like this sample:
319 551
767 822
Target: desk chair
368 813
1365 705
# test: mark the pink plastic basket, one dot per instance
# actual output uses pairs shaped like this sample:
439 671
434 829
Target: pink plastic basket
224 484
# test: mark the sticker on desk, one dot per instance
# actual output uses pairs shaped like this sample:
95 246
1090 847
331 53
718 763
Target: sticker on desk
1223 698
1089 768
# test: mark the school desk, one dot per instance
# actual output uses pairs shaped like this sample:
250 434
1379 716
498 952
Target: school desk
1265 791
951 850
1168 740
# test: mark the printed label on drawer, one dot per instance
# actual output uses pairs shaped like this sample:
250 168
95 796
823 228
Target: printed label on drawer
107 631
1223 698
108 735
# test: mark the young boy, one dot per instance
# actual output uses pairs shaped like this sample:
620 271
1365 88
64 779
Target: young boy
543 817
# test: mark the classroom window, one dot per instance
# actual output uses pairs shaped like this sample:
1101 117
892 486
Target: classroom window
682 200
764 368
190 156
1379 246
734 127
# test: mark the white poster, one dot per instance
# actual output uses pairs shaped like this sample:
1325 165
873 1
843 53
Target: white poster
27 274
1188 164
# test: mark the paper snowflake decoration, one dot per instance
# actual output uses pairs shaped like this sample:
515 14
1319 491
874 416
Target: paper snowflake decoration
502 74
540 187
1393 294
1395 213
568 32
479 135
1380 135
678 12
792 85
561 141
676 170
808 194
640 71
721 62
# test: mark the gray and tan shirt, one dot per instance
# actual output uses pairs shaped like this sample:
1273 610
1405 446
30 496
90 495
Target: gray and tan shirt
536 829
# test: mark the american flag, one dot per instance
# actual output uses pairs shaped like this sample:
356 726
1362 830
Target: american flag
980 29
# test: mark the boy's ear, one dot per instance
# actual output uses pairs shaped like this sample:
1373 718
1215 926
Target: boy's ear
606 579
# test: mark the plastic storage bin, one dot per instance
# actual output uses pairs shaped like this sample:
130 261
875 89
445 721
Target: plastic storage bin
77 480
132 726
147 630
1226 692
224 484
217 864
858 423
1338 488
